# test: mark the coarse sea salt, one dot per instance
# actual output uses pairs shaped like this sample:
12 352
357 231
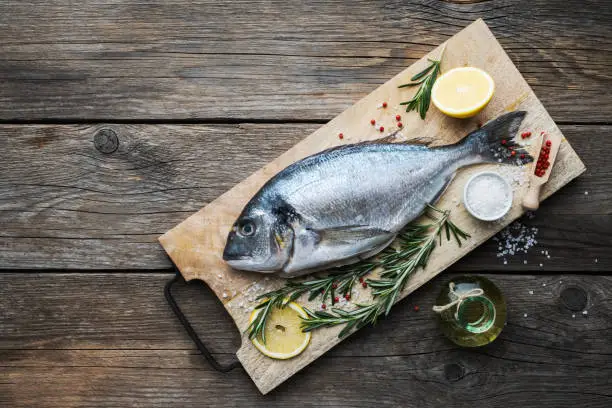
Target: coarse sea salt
488 196
514 239
516 176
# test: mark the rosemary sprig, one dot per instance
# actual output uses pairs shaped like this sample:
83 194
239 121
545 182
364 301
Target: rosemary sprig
426 78
417 244
326 287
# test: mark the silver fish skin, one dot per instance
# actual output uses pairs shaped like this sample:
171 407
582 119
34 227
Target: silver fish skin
348 203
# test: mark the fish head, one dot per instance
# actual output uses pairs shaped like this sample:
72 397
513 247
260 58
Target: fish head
259 241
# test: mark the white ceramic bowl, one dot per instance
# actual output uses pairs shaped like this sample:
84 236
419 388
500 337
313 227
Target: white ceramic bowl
507 204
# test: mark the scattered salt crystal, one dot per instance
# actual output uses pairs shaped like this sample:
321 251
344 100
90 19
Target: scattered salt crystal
515 175
224 295
531 292
573 315
505 262
541 265
524 314
543 284
525 262
586 193
596 260
515 239
219 276
584 312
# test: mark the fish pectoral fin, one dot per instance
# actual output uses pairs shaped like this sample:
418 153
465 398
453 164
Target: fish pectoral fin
317 249
349 233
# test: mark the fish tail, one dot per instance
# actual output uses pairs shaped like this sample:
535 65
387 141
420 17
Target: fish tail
494 142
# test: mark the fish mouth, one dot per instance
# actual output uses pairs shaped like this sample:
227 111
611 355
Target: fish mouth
247 264
234 251
229 257
242 262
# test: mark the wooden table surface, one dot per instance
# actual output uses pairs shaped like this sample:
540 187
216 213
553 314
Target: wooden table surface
118 119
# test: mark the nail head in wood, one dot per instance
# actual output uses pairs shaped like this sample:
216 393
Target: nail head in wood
106 141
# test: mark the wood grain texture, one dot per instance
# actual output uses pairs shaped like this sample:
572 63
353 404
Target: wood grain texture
109 60
109 339
64 204
196 244
104 340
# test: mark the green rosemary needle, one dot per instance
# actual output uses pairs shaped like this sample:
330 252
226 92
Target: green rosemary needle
416 242
328 287
425 79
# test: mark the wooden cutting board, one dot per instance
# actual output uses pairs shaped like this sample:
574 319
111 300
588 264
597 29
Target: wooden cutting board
196 245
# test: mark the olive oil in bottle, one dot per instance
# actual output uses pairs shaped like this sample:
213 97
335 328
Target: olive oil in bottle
471 311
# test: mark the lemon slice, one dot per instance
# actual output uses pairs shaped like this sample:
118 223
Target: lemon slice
462 92
284 337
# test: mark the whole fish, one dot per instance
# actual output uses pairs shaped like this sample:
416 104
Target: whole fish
348 203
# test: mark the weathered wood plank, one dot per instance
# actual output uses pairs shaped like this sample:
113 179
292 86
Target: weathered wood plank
195 245
65 204
169 379
110 340
278 60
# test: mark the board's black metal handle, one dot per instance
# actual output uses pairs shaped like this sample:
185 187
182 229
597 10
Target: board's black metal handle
192 333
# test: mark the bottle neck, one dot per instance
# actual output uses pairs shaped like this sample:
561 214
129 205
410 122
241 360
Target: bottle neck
473 310
476 314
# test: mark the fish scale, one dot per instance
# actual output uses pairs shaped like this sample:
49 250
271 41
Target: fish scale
348 203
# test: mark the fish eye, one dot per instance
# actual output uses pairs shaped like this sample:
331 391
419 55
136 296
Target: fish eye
246 228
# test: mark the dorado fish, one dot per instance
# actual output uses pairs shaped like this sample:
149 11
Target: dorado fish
349 202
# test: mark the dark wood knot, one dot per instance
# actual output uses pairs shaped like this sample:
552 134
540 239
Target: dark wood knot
574 298
106 141
454 372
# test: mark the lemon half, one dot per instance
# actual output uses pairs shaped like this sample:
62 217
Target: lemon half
462 92
284 336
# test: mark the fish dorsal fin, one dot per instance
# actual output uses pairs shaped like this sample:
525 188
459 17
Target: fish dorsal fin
392 138
382 140
422 141
389 139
